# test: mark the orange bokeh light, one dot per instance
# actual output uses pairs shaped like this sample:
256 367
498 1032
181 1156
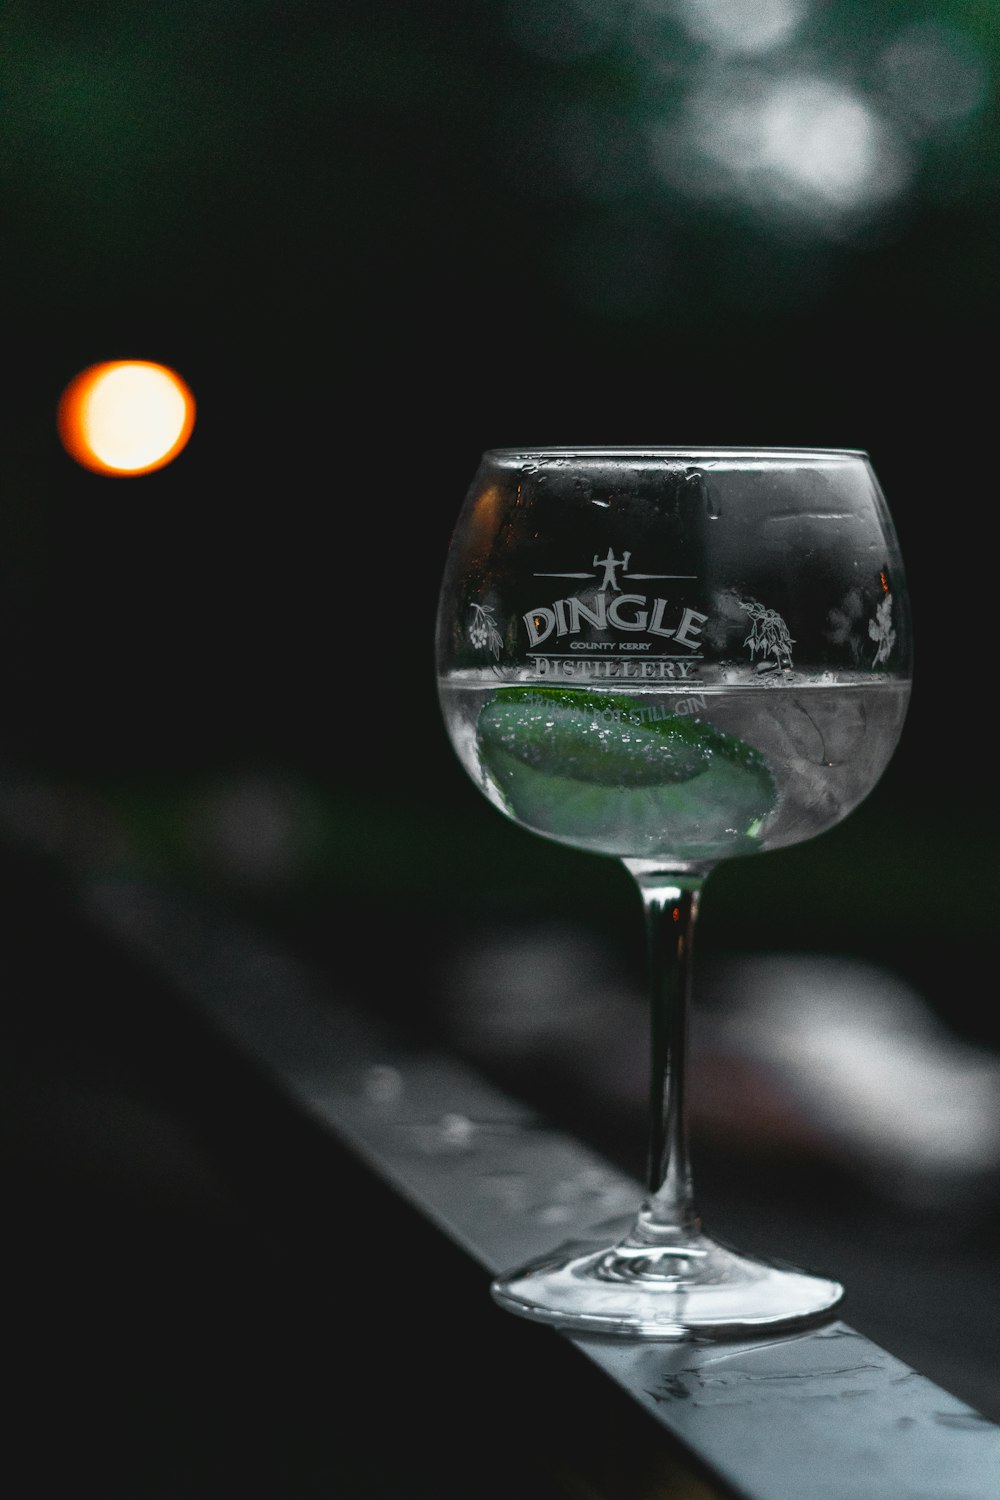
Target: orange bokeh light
125 417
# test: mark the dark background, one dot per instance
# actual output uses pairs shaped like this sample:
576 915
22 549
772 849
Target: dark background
377 239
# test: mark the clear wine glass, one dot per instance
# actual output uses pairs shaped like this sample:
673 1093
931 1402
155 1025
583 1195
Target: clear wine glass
672 656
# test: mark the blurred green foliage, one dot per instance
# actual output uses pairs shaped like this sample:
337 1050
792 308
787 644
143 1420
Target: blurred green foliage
149 153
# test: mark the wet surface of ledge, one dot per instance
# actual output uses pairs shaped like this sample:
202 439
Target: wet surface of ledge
826 1408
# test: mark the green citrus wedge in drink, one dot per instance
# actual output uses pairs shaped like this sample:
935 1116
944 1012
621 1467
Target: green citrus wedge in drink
628 776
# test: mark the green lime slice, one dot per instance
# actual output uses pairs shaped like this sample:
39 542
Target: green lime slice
622 776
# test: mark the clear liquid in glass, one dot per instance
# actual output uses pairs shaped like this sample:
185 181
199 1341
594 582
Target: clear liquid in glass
691 773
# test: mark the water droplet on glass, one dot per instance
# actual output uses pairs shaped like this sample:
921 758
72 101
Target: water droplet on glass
695 481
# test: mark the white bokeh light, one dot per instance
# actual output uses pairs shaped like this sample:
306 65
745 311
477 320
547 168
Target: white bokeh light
935 74
823 142
800 145
738 26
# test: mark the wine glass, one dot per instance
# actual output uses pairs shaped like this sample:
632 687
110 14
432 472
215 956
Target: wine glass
672 656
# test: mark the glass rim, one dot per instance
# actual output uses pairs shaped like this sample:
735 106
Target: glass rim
673 451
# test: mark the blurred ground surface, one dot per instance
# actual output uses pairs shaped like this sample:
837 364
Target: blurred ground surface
186 1291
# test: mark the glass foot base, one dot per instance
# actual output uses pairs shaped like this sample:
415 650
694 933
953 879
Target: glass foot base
695 1289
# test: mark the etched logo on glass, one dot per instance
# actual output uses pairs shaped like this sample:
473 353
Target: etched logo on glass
601 624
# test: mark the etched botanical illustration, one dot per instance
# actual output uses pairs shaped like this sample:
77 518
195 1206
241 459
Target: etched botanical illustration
881 630
768 635
483 632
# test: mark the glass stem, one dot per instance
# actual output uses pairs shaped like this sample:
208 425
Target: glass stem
670 904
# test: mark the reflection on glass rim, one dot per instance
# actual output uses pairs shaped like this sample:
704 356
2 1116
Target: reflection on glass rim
655 452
